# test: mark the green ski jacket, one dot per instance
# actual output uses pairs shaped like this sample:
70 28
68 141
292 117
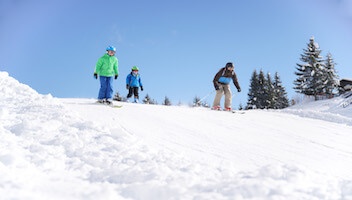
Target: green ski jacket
107 66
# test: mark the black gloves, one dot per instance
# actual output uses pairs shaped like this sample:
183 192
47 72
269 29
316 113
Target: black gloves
239 90
96 76
216 87
128 87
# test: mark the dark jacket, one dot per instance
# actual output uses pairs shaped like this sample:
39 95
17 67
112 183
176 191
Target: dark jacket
224 77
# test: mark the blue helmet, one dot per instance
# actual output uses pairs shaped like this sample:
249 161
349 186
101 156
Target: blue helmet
110 48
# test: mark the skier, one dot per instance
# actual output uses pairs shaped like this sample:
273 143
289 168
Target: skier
106 68
221 82
133 82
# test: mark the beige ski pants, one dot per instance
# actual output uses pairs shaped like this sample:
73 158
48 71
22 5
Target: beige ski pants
223 89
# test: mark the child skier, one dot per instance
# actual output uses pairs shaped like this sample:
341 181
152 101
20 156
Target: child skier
133 82
221 82
107 69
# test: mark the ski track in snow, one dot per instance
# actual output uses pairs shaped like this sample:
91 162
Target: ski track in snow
55 148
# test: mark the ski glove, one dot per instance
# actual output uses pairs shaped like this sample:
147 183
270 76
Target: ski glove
239 90
95 75
127 87
217 87
142 88
116 76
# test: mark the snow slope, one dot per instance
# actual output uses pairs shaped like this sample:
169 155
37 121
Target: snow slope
53 148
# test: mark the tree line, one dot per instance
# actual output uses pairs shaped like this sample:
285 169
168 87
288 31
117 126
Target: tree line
146 100
266 92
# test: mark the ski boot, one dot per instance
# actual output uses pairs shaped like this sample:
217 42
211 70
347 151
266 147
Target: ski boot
227 109
100 101
216 108
108 102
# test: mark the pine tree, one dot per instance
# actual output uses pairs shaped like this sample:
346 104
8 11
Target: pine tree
167 101
266 93
252 102
330 77
117 97
271 97
148 100
197 101
280 93
263 91
205 104
310 73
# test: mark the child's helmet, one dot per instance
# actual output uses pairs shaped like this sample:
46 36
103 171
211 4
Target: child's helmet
135 68
110 48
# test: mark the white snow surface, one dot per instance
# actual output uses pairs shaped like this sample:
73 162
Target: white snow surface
54 148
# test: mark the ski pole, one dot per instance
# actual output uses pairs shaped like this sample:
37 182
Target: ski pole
206 96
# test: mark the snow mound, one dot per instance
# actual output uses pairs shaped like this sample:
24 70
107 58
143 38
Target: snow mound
53 148
338 110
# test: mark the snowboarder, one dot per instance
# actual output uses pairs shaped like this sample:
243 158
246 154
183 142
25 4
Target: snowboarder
133 82
107 69
221 82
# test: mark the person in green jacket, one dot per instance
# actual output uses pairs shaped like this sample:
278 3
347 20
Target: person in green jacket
107 69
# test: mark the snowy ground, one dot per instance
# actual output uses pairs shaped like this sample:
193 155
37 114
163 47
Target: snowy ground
53 148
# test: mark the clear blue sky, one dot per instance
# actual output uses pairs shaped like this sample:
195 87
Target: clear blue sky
53 45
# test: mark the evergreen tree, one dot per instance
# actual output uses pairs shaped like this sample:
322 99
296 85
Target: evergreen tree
148 100
197 102
310 73
271 98
331 78
280 94
262 91
266 93
118 97
205 104
179 103
253 91
167 101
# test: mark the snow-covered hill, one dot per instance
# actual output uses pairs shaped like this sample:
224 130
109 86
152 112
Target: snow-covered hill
53 148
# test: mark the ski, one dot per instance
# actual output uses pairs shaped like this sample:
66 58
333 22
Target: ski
238 111
116 106
347 95
230 111
346 103
111 104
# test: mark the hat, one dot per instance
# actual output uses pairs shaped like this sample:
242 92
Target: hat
111 48
229 64
135 68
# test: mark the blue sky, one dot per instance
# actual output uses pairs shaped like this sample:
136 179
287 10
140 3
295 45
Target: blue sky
53 45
